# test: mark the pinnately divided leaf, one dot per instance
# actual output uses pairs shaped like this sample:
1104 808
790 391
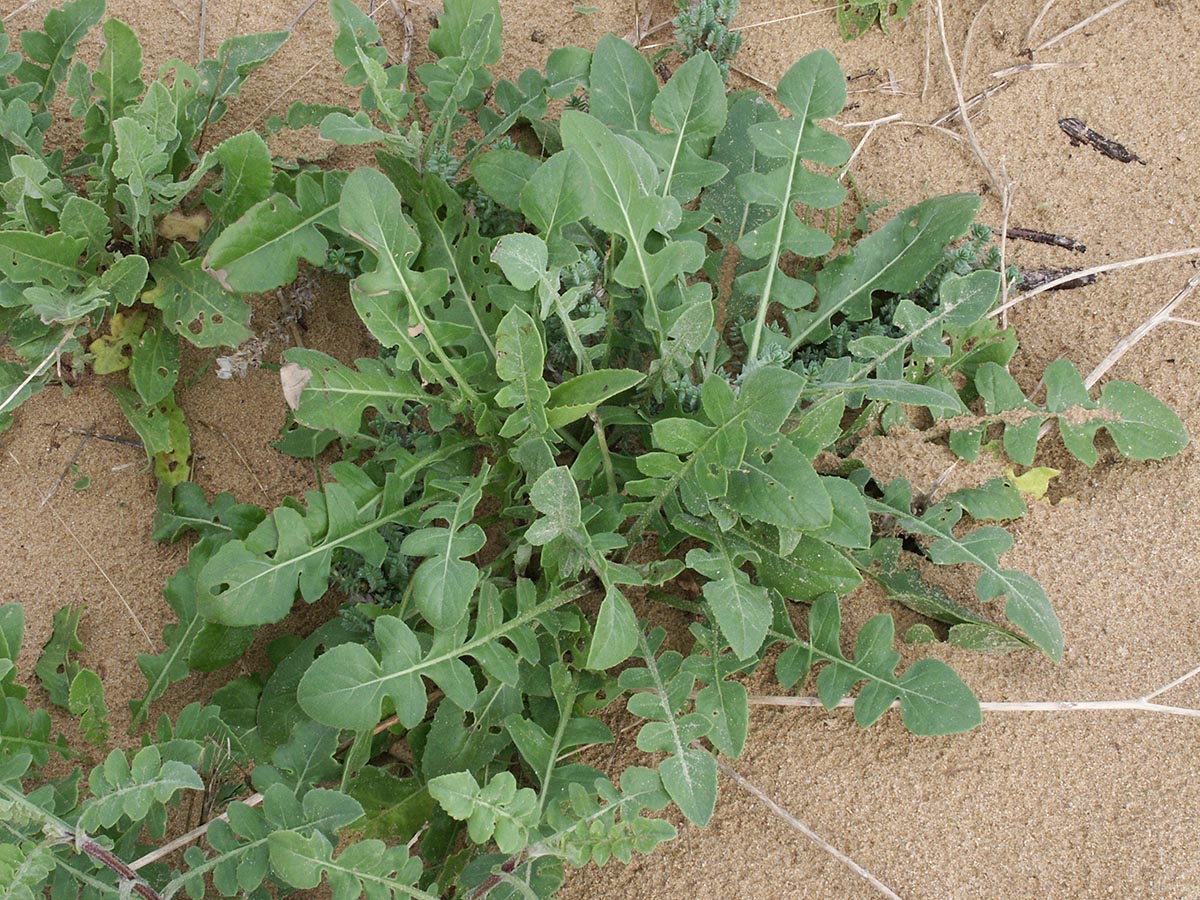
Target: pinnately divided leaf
619 367
498 810
347 686
1026 605
194 305
256 580
366 868
50 51
933 699
660 689
128 788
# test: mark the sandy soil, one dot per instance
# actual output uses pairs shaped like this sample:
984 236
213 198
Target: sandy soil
1072 804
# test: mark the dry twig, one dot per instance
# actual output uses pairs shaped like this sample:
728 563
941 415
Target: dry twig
776 21
795 823
770 87
1036 23
300 15
928 49
972 105
41 367
183 15
20 9
958 93
184 839
242 459
203 28
1040 67
1112 7
88 553
1164 315
1006 202
966 50
863 141
66 470
1095 270
1137 704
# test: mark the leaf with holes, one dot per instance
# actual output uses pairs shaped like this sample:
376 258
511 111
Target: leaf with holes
194 305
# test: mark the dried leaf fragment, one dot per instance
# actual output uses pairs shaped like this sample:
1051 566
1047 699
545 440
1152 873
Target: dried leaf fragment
294 380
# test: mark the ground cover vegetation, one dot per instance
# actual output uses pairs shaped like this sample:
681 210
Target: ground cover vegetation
627 346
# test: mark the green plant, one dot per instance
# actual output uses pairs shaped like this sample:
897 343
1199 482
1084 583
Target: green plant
704 28
612 405
107 242
855 17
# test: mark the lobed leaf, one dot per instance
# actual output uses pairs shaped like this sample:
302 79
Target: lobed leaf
1026 606
55 669
445 581
347 686
125 788
49 52
263 248
335 396
256 580
496 810
194 304
896 258
365 868
933 699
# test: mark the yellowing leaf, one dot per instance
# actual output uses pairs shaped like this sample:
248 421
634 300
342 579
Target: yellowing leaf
1035 482
114 351
178 226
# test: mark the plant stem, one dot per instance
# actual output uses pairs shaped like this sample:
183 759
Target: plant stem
61 833
764 301
605 456
184 839
1112 7
1164 315
103 856
359 753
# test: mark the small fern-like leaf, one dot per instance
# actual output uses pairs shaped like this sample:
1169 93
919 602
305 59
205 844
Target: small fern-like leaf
605 822
125 788
367 867
498 810
24 870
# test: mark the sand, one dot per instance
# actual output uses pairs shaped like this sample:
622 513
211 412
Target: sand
1071 805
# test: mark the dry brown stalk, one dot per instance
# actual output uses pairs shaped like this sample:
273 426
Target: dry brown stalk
971 105
1040 67
184 839
776 21
95 562
41 367
964 65
1164 315
20 9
